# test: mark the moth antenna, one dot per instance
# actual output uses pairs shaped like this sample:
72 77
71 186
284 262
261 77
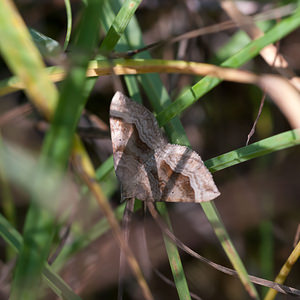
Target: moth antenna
257 280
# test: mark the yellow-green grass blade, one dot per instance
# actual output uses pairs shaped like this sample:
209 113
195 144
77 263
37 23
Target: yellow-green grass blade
23 58
39 224
119 24
69 23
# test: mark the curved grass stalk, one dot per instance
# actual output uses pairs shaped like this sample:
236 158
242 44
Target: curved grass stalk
284 272
69 23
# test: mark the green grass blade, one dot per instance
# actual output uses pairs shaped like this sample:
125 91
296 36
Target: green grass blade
216 222
119 24
69 23
174 258
238 41
208 83
15 240
274 143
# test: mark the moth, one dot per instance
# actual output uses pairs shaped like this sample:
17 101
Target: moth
148 167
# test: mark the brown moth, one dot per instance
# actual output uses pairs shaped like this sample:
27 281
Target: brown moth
148 167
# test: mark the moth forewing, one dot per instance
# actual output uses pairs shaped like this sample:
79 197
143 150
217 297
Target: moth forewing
147 166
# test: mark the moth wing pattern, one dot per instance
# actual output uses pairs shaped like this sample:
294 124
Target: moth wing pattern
148 167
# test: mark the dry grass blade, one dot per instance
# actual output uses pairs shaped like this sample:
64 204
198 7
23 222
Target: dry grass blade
269 53
284 272
284 94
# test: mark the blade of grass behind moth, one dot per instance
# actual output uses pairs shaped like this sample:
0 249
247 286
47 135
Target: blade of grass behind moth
56 283
238 41
207 83
216 222
284 272
115 25
174 258
154 89
119 24
275 143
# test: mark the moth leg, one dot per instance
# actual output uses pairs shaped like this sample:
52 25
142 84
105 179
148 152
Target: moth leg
127 216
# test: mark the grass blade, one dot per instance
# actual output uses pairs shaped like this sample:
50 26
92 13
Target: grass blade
274 143
15 240
69 23
285 270
119 24
24 60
